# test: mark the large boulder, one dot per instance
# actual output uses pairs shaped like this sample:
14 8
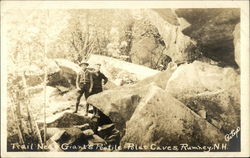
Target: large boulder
66 76
178 46
163 120
216 90
146 39
112 67
68 139
119 103
213 29
219 108
145 45
237 44
199 77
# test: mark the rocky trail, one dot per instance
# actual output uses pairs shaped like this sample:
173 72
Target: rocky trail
168 107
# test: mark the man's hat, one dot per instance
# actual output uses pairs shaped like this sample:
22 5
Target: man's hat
84 62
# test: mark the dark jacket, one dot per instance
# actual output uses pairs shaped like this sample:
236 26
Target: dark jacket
84 77
97 80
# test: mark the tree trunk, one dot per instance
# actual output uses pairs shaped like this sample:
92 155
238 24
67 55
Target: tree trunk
19 131
26 102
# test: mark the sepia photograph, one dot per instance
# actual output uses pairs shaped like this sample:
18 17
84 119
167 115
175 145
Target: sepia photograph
124 80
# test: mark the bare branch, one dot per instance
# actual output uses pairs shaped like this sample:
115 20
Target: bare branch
73 43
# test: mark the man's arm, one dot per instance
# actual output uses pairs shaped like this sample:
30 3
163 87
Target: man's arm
104 78
91 82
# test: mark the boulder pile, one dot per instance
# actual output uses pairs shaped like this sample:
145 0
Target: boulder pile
196 103
75 132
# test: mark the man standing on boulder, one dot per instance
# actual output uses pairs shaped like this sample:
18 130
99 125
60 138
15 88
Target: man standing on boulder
98 79
84 84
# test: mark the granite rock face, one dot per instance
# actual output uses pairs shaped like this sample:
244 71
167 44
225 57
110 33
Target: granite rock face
216 90
66 76
189 34
213 29
119 103
162 120
179 46
150 48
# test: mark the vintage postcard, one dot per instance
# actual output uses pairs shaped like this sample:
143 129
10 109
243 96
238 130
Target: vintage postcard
124 78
